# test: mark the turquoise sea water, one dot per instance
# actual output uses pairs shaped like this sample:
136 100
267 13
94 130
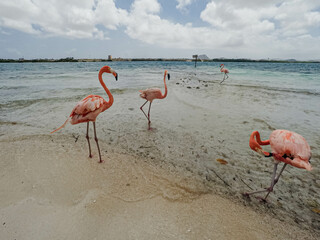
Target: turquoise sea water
38 81
24 84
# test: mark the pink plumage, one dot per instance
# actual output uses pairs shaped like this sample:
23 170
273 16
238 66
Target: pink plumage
287 147
225 71
90 107
153 93
293 145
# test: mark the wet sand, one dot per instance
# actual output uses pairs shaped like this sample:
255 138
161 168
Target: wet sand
164 183
51 190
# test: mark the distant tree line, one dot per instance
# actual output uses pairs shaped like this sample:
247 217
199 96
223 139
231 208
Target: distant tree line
71 59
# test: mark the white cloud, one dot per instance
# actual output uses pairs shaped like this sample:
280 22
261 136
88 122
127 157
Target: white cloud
228 17
145 25
146 6
234 27
182 4
73 18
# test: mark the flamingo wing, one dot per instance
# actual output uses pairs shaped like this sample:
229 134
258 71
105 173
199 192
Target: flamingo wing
87 109
150 93
291 144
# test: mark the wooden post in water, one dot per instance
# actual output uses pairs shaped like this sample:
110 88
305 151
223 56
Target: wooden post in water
196 58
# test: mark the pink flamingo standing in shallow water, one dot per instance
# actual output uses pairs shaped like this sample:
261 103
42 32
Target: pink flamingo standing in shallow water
90 107
225 71
288 147
153 93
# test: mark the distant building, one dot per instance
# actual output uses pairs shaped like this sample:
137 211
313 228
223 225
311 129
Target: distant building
109 58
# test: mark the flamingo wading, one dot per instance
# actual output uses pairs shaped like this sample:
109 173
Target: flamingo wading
225 71
90 107
287 147
153 93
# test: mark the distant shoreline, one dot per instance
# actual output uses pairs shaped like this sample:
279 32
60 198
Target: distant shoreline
71 59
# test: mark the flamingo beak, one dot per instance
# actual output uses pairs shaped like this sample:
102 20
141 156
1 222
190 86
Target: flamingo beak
115 75
168 76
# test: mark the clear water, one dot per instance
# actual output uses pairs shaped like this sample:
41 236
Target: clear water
29 88
21 82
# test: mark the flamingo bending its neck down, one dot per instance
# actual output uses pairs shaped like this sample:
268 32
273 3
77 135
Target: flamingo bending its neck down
225 71
287 147
153 93
90 107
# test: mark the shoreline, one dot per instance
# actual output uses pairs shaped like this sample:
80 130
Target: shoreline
71 59
50 190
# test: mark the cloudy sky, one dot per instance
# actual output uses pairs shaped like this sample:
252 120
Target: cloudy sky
160 28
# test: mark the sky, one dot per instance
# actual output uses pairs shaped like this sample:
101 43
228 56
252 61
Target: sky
255 29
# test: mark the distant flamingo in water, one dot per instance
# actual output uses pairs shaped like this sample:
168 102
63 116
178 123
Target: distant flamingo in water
288 147
90 107
153 93
225 71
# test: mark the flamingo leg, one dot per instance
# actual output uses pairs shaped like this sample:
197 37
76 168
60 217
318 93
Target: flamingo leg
275 180
142 109
96 139
224 76
269 189
149 121
87 137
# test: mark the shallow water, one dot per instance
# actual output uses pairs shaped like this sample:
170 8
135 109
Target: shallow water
199 121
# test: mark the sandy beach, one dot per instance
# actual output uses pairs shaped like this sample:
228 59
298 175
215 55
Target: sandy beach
160 184
50 190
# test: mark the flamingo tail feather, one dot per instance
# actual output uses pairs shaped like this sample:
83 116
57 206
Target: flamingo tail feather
62 126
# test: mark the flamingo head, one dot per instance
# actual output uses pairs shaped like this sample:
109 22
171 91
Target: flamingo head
221 65
255 146
166 73
115 75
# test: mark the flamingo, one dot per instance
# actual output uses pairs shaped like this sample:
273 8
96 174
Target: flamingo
90 107
287 147
153 93
225 71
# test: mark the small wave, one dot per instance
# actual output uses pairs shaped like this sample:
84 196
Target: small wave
95 89
22 103
18 104
279 89
119 90
10 123
13 87
265 123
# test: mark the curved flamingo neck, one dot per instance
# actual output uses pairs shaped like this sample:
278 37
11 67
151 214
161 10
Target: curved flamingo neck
107 70
255 142
257 135
165 86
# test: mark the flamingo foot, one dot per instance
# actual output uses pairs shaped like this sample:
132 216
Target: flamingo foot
101 161
90 155
261 199
246 195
